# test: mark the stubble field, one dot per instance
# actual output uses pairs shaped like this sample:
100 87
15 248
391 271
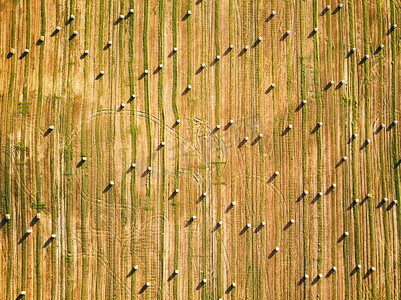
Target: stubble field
257 135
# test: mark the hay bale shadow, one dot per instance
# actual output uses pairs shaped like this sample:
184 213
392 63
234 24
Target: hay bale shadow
336 10
312 34
269 89
54 33
147 171
354 270
189 222
270 17
214 61
323 12
315 280
107 188
270 256
390 31
143 289
230 207
130 273
200 285
329 190
48 242
172 276
285 35
227 51
330 272
243 230
315 129
288 225
24 237
340 162
367 274
259 228
229 289
302 280
33 221
3 222
341 238
271 178
285 131
242 52
317 196
216 227
390 206
185 17
300 197
363 60
142 76
242 143
257 139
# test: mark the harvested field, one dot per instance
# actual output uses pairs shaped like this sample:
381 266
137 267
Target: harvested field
200 149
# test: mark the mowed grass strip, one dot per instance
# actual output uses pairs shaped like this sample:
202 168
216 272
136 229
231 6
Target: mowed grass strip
162 116
261 275
344 127
394 100
69 260
233 195
39 204
190 102
248 172
72 43
133 134
383 176
99 156
123 292
7 163
332 108
205 217
24 208
148 134
177 147
371 206
84 167
219 275
276 152
110 142
354 149
291 213
54 106
319 118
